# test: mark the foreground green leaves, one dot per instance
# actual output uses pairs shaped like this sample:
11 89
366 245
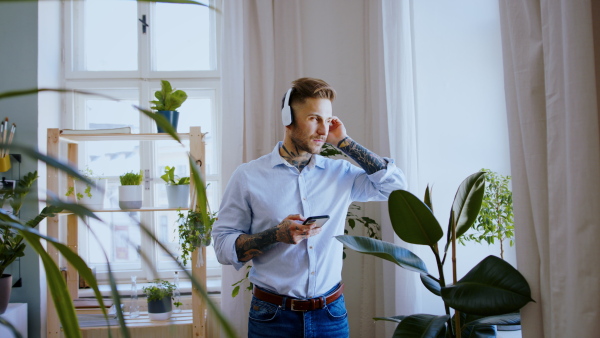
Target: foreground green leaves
412 220
492 287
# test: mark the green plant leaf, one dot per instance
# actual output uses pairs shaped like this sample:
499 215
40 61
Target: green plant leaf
10 327
161 121
427 199
388 251
431 284
412 220
466 205
492 287
421 326
395 319
506 319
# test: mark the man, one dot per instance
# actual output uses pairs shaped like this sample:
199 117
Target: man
297 267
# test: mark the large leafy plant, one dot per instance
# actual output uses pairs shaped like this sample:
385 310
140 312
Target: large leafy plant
490 294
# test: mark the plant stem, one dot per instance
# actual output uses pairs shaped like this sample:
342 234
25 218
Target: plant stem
454 278
440 266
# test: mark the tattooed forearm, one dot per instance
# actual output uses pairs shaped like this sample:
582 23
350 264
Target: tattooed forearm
367 159
294 158
250 246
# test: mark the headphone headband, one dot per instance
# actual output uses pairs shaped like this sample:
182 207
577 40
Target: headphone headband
286 111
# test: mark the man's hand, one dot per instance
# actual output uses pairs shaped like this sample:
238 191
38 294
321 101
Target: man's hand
288 231
292 232
337 131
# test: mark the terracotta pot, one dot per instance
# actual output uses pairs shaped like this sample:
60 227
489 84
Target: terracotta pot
5 289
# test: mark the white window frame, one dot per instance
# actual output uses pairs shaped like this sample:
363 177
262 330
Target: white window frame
146 81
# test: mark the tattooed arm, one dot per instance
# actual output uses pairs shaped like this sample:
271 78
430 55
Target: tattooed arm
288 231
367 159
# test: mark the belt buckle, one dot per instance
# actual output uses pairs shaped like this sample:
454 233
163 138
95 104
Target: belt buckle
292 306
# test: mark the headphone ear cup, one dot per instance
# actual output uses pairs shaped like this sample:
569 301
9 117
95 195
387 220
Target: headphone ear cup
286 115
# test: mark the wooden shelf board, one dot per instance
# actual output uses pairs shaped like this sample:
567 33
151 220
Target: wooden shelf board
121 137
130 210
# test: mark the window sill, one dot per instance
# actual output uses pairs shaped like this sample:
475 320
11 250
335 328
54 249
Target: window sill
213 286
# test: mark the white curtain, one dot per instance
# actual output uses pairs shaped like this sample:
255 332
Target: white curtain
551 81
260 57
391 101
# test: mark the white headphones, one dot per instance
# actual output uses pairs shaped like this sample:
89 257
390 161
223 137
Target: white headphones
286 111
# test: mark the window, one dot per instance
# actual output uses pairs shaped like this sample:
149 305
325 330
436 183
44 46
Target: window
122 49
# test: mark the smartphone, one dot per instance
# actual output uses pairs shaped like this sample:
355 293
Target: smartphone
319 220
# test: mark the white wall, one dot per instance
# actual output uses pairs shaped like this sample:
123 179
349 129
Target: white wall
461 110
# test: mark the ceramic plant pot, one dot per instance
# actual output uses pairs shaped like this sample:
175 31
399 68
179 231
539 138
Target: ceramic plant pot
5 289
178 196
130 197
172 116
160 309
96 201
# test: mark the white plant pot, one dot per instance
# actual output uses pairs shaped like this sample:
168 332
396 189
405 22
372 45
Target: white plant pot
130 197
178 196
96 201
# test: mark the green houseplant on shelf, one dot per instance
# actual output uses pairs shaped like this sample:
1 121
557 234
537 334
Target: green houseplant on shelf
90 195
159 295
130 190
489 294
178 188
496 219
193 233
167 101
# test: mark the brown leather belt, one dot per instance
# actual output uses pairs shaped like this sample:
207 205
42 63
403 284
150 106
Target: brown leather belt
298 304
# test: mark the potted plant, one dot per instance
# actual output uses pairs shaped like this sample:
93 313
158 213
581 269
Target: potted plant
92 196
178 188
167 101
130 191
495 220
488 295
193 233
12 245
159 295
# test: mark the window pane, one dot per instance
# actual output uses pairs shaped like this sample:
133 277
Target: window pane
117 238
181 37
109 38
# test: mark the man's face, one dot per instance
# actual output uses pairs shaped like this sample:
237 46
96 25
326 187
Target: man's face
311 124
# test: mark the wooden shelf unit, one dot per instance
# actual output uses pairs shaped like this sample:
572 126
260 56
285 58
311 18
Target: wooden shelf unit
197 151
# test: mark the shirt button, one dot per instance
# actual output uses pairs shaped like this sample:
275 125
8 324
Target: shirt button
304 198
312 273
310 247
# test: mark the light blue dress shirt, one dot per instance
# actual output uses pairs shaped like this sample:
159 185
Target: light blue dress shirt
263 192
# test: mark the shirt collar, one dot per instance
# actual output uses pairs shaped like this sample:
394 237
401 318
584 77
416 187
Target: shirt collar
276 159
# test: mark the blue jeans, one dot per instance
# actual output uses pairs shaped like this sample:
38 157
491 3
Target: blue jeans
269 320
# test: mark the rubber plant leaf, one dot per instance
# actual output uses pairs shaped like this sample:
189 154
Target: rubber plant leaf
466 205
421 326
492 287
388 251
395 319
412 219
431 284
427 199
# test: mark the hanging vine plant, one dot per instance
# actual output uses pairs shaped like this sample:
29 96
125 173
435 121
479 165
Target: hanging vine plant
193 233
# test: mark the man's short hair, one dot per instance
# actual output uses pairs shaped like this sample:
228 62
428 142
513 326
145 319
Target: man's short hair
308 87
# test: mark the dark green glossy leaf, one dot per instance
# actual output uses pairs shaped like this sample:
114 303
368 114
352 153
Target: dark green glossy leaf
506 319
466 205
388 251
431 284
421 326
412 220
427 199
479 331
492 287
395 319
